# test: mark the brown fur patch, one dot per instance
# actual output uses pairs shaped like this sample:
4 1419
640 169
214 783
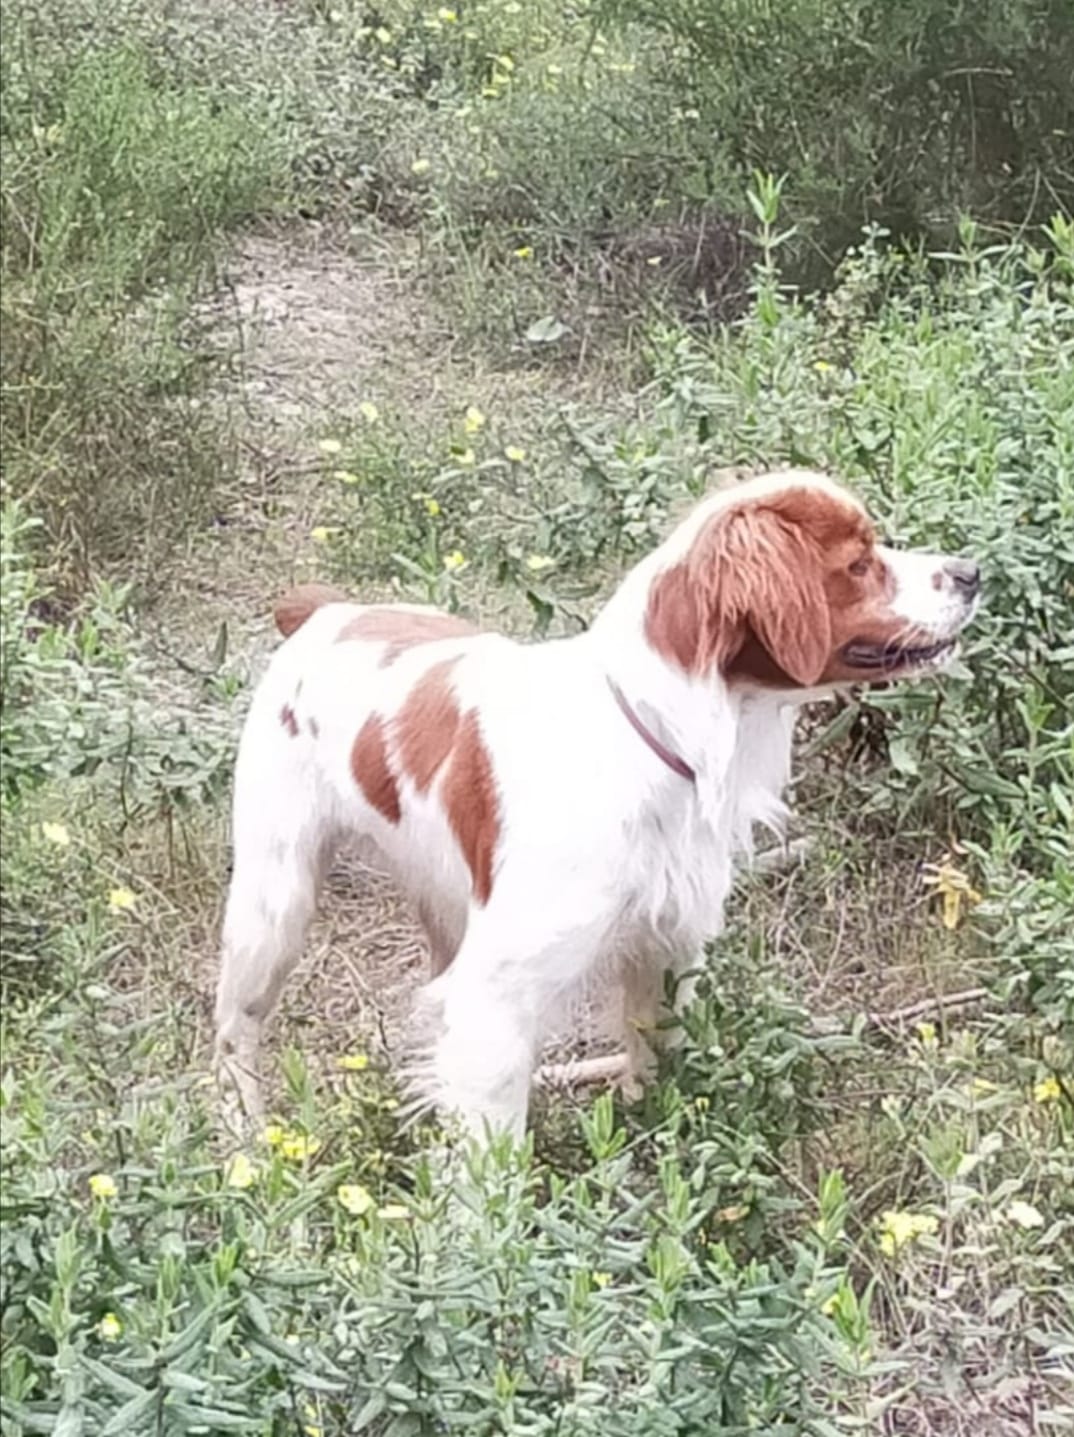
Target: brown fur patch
427 724
371 770
288 720
400 629
765 590
472 803
292 609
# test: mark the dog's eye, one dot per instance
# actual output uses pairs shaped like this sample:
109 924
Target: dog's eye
860 567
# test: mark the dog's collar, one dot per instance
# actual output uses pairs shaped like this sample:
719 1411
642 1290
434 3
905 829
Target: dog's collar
674 762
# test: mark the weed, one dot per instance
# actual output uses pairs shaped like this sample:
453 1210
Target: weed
115 188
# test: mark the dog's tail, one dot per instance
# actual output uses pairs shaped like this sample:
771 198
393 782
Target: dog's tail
292 609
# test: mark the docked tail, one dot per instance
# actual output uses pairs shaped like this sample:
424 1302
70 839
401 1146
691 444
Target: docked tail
292 609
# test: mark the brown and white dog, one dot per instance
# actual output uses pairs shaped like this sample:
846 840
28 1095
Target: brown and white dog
556 806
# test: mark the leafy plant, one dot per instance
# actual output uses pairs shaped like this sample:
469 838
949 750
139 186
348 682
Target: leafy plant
904 115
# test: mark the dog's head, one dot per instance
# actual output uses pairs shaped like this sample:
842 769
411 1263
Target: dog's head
781 582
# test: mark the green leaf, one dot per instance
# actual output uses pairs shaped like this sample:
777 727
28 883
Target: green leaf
108 1377
376 1404
123 1420
902 756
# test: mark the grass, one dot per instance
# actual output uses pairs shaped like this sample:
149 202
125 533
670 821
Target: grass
845 1206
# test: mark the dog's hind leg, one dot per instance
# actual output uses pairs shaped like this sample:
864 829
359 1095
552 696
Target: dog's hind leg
277 876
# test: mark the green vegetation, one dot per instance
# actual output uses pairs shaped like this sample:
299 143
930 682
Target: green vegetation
846 1206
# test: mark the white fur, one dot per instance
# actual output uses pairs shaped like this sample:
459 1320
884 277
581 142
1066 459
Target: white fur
605 855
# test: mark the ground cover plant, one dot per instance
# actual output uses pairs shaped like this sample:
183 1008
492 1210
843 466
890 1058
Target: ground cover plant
464 303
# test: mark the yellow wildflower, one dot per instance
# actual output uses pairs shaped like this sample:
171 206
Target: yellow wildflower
954 888
536 562
927 1033
432 508
393 1212
822 366
473 420
369 411
420 167
103 1186
1047 1090
355 1198
448 17
240 1172
121 900
524 251
109 1327
897 1229
323 532
454 561
465 457
273 1135
353 1062
829 1305
56 833
601 1279
1024 1214
515 454
330 446
383 34
298 1147
505 63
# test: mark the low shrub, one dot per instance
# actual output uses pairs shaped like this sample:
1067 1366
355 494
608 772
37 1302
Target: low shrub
905 114
116 186
85 732
947 402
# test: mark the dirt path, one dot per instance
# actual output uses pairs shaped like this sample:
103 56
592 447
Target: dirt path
316 329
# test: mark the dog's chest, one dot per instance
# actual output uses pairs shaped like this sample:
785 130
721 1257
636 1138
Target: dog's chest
682 867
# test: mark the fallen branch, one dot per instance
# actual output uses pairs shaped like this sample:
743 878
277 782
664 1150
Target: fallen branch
939 1002
582 1072
588 1072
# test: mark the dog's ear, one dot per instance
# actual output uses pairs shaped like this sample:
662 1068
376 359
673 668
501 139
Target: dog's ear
751 572
770 580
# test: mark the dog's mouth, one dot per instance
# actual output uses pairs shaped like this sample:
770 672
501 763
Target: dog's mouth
892 658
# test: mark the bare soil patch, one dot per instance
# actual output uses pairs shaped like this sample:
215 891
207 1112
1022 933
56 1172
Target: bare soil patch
314 325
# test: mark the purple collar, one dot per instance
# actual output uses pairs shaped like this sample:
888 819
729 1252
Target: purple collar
674 762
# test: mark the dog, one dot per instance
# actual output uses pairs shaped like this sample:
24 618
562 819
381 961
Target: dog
553 807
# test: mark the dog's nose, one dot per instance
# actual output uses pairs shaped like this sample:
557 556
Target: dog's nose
965 575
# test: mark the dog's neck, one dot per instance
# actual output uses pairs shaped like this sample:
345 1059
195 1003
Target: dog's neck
684 710
735 738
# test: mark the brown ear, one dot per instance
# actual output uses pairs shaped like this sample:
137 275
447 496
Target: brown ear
778 584
749 572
